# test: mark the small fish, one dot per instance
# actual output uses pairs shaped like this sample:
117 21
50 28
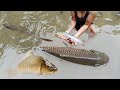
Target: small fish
36 65
66 36
23 30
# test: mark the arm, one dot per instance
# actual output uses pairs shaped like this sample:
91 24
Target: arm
72 23
87 24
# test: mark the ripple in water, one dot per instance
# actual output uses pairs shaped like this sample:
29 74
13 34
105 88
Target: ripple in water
2 18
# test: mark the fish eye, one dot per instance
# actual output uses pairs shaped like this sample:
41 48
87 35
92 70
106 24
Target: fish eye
92 51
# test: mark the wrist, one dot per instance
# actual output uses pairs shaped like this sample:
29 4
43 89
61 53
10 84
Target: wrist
67 31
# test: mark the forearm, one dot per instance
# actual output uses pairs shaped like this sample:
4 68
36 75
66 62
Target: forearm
81 31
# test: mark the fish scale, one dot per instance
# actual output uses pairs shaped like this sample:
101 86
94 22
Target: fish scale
71 52
79 56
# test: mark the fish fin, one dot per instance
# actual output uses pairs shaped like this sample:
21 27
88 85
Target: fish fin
45 39
52 64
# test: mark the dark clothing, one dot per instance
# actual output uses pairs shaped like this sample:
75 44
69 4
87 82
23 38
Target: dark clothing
80 21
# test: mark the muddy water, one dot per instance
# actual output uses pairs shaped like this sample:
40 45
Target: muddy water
14 45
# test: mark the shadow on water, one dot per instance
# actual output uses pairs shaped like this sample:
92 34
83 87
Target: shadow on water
46 24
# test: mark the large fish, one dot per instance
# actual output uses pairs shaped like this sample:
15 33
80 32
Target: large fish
23 30
79 56
35 64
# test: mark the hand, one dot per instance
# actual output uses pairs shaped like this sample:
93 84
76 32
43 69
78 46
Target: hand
71 42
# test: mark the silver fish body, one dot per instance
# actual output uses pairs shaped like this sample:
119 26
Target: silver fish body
79 56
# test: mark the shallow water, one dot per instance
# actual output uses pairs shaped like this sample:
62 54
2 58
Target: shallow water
14 45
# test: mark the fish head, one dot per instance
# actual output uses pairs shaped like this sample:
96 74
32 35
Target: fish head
10 26
104 57
6 25
45 69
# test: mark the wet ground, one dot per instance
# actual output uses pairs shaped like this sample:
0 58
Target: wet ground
14 45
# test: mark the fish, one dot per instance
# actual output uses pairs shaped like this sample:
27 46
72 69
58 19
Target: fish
14 27
32 64
67 36
79 56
